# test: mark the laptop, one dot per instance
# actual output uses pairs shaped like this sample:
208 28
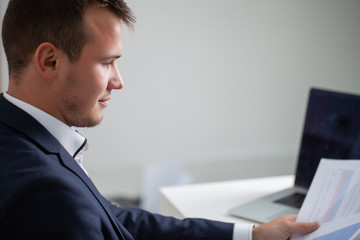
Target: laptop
331 130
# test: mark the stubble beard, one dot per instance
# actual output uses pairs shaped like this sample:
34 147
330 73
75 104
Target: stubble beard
74 113
78 121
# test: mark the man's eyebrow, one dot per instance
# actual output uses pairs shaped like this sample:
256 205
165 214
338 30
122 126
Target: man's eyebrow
111 57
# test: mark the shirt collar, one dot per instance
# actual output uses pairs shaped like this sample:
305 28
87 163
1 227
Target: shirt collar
68 137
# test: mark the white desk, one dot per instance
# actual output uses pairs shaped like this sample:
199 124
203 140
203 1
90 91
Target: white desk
213 200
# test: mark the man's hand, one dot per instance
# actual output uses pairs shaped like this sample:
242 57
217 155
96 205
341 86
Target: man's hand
282 228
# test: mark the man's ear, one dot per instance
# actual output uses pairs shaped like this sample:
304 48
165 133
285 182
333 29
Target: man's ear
46 57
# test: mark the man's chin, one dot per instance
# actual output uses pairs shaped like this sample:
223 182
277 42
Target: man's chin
88 122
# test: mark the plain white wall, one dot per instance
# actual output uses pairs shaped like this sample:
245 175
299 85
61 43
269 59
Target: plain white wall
217 84
3 64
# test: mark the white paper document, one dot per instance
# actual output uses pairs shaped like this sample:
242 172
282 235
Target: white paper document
334 201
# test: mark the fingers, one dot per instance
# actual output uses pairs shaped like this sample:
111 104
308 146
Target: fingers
303 228
282 228
299 227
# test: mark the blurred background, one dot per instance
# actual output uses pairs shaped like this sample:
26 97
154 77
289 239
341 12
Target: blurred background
216 90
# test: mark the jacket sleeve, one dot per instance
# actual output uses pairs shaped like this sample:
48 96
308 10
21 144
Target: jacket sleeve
145 225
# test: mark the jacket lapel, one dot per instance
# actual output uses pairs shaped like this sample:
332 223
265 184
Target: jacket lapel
71 165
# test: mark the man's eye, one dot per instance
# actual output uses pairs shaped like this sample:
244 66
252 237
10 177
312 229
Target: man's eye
107 64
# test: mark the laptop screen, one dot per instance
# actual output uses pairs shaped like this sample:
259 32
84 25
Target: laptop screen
331 130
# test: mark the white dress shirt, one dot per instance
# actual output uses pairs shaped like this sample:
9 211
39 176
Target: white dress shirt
76 145
73 142
242 232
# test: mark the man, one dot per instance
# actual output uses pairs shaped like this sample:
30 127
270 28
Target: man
61 56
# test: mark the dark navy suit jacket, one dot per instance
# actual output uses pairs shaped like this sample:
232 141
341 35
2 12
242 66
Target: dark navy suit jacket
44 194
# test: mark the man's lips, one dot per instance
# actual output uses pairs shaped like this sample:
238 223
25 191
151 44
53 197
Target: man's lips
104 101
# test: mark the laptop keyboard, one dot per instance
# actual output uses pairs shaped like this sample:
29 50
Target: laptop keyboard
294 200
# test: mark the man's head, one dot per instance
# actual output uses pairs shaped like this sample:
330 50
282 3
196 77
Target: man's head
63 62
28 23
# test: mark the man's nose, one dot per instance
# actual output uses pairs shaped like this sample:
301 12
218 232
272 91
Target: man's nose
116 81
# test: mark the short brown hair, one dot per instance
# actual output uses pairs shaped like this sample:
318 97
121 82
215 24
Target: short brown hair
28 23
